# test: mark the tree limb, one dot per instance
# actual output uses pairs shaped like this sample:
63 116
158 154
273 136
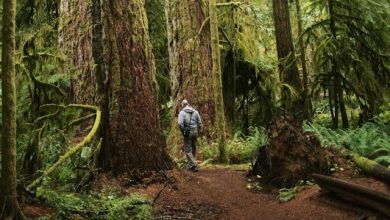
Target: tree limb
234 4
74 149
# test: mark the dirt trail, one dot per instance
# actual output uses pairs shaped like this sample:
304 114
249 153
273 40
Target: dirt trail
221 194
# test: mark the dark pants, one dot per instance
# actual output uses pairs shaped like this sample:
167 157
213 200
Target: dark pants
190 146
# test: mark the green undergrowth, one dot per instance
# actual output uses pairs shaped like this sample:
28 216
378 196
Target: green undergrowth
384 116
240 149
287 194
371 140
107 204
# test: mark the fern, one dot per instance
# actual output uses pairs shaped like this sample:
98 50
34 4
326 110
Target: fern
365 140
240 149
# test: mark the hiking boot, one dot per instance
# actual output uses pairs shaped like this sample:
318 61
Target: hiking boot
194 168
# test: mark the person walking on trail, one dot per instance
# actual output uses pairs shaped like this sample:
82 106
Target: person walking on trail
190 124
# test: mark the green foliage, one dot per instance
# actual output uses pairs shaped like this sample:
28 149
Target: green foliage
158 37
253 184
107 204
365 140
355 49
243 148
240 149
286 194
385 113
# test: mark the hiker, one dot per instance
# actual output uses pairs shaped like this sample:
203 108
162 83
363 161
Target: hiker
190 123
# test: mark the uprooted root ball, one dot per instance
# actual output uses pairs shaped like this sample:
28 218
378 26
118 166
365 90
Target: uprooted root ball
291 155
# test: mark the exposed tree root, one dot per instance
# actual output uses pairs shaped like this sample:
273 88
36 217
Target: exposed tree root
291 155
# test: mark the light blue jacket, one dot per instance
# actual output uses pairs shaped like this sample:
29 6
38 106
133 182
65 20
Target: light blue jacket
189 116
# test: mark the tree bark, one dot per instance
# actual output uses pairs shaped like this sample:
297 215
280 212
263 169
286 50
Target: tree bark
8 194
285 47
301 45
217 79
76 43
307 108
122 81
229 86
101 79
190 64
136 140
343 111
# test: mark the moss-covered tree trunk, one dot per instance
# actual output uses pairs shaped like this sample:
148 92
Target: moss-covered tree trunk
101 80
301 45
76 43
285 46
121 80
190 63
307 107
217 79
136 140
8 195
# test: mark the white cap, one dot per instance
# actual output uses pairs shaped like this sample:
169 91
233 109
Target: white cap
184 102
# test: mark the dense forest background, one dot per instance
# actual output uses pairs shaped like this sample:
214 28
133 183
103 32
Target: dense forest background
99 86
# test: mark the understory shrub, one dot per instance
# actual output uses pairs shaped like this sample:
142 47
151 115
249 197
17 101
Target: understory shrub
107 204
371 140
240 149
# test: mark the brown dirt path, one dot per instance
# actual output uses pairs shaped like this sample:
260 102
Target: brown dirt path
220 193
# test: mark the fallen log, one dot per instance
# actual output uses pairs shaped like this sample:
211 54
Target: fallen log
368 166
352 192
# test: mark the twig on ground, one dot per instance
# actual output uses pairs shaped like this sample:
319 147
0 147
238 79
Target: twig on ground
159 193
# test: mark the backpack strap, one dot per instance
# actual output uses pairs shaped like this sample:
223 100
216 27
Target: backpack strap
189 123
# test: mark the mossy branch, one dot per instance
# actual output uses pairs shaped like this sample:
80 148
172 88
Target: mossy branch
202 26
234 4
40 84
47 116
74 149
368 166
80 120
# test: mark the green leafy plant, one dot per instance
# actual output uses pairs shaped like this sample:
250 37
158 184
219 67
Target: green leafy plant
372 140
108 204
240 149
287 194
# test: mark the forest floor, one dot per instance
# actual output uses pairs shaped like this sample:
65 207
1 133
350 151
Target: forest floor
220 192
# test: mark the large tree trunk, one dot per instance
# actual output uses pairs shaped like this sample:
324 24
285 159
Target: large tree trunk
217 75
301 45
76 43
307 107
136 140
285 47
133 140
229 86
101 79
190 62
8 195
